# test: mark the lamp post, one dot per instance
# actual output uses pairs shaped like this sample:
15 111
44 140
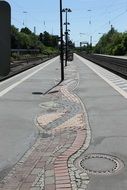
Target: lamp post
25 18
90 29
61 42
66 10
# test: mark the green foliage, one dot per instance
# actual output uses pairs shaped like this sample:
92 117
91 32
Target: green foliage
119 50
25 39
50 51
112 43
26 31
49 40
14 37
15 56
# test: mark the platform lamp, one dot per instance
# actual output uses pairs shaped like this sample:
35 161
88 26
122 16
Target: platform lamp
66 10
25 19
90 23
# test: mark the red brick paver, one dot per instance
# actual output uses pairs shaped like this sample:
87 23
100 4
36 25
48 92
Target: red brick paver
46 164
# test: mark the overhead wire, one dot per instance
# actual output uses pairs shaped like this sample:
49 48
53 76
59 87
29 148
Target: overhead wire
107 23
113 8
21 8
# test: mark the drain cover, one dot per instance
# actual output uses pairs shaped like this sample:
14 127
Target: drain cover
101 164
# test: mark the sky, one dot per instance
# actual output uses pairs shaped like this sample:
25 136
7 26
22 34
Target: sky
88 17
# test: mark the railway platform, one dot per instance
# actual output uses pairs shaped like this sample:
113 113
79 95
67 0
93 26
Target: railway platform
78 137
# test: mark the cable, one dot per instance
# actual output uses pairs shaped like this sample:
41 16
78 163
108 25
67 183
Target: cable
112 20
33 17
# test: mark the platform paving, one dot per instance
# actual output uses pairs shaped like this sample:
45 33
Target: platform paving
63 136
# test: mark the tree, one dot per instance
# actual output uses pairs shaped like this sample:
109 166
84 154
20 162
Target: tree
119 50
14 37
54 40
47 39
26 31
41 37
111 43
24 40
124 41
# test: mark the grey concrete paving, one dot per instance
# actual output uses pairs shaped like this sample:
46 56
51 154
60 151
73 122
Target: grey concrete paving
49 163
107 112
18 109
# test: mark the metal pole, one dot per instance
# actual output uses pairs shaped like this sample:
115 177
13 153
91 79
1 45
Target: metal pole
61 44
66 57
91 41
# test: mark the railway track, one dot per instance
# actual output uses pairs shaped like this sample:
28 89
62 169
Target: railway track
17 67
115 65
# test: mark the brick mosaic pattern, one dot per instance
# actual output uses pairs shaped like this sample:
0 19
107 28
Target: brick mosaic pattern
49 164
74 123
44 120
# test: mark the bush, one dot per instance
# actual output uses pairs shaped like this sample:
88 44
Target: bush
119 50
15 56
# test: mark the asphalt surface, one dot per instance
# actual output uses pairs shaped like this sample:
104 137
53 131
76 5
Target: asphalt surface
19 106
107 112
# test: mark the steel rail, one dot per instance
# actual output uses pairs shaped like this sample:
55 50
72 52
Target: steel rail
115 65
23 65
